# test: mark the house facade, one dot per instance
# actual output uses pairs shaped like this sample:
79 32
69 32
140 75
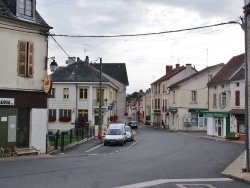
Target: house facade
76 93
160 94
226 95
189 101
23 103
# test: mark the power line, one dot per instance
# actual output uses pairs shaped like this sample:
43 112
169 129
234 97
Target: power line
143 34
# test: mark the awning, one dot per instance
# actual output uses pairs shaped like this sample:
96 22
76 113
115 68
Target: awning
173 110
197 110
237 111
216 114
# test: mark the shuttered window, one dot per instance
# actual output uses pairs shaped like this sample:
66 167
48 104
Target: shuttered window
237 98
25 59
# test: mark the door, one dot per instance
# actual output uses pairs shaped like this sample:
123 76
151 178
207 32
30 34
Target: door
23 128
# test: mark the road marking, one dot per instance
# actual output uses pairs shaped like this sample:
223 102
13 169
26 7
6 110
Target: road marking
162 181
194 185
93 148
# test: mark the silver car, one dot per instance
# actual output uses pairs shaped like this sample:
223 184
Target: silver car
129 133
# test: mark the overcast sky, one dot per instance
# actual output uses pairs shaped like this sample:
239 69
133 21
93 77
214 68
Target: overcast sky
145 56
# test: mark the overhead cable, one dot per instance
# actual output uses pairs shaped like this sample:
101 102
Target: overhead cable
143 34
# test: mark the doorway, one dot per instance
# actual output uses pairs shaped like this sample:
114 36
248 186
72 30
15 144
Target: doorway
23 128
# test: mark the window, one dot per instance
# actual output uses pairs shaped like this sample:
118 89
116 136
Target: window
84 113
159 101
237 84
26 7
52 115
83 93
155 103
223 99
25 59
237 98
210 76
193 96
194 119
64 115
214 100
53 92
65 93
98 95
163 88
173 97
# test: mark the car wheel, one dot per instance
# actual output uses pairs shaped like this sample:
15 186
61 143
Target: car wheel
104 144
122 143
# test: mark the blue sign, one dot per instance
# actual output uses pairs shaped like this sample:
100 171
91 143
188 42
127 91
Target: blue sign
109 107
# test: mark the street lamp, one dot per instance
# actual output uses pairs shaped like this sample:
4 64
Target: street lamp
53 64
100 102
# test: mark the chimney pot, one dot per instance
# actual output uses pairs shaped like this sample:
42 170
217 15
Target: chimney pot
177 66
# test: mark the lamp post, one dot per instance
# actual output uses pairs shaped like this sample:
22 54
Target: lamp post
100 102
247 53
53 64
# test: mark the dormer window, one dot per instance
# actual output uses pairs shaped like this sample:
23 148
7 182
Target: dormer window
26 8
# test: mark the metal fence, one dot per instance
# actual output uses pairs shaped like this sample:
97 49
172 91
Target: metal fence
61 140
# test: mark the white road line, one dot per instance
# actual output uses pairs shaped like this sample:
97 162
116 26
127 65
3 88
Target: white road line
93 148
162 181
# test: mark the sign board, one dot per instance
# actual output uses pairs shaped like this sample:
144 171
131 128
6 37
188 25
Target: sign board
110 107
47 83
7 101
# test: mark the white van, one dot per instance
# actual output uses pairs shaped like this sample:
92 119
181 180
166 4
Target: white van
116 134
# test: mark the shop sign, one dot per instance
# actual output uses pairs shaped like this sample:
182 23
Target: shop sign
197 110
216 114
173 110
47 83
7 101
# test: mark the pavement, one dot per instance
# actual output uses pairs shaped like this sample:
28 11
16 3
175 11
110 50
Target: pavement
233 171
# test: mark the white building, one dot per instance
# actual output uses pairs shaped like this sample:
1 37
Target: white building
23 103
75 92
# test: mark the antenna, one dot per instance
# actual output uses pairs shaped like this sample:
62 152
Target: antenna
207 57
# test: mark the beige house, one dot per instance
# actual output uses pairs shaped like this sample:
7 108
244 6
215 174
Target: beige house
160 98
226 99
189 100
23 102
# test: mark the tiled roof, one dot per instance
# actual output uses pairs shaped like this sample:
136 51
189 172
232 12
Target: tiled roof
77 72
205 70
7 11
117 71
169 74
229 70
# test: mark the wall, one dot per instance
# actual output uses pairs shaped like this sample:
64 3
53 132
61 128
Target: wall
38 129
9 40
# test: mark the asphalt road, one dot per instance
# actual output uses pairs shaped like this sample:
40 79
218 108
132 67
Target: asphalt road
155 159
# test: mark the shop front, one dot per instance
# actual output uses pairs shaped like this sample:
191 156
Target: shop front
218 123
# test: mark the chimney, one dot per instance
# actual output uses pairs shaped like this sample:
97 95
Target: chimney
70 60
87 60
177 66
168 68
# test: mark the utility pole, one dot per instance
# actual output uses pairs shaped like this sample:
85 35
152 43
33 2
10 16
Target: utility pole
100 102
246 26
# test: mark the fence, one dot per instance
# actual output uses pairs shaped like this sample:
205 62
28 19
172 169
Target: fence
61 140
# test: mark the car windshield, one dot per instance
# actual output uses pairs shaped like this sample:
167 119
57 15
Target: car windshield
114 132
127 129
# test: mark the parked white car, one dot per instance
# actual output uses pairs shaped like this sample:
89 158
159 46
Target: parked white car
116 134
129 133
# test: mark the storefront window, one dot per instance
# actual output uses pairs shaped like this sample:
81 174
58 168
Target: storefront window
194 119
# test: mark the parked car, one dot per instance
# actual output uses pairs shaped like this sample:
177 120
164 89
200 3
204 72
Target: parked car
133 124
129 133
115 134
